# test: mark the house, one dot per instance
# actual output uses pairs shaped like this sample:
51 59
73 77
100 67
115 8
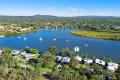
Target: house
15 52
100 62
78 58
1 51
88 61
27 55
112 66
58 58
23 53
65 60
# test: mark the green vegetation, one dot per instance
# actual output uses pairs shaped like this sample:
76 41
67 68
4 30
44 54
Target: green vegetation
47 68
13 25
96 34
32 50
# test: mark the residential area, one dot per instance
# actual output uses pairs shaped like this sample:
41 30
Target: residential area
28 58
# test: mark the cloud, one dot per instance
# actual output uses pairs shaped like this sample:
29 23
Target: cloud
52 8
73 9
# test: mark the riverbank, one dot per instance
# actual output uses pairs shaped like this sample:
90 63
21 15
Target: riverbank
99 35
6 33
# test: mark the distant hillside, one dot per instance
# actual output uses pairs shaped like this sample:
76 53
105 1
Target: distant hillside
46 17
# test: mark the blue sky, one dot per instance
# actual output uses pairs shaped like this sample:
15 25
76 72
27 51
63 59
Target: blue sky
60 7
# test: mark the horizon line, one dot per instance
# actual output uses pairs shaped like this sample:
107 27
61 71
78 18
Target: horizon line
63 16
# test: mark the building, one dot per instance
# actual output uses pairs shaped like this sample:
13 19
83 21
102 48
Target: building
15 52
26 55
100 62
65 60
112 66
58 58
2 51
78 58
88 61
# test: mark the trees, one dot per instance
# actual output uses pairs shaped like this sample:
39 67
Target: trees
32 50
47 60
52 50
118 73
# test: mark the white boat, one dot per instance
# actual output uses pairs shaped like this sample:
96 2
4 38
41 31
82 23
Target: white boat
19 37
25 38
54 39
41 39
67 40
86 45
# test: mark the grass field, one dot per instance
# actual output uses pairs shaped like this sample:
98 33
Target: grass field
99 35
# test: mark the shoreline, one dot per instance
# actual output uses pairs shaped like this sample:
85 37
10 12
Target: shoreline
7 34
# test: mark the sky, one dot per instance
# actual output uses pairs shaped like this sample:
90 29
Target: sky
60 7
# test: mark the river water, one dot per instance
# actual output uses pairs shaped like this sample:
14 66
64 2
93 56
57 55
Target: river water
61 38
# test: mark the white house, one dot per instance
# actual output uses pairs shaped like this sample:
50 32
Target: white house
112 66
58 58
27 55
15 52
65 60
88 61
23 53
2 51
78 58
101 62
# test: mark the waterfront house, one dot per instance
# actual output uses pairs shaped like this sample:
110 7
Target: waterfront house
2 51
112 66
65 60
58 58
100 62
15 52
29 56
88 61
23 53
26 55
78 58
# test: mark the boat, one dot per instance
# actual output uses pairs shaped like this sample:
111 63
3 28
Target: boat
25 38
67 40
19 37
54 39
86 45
41 39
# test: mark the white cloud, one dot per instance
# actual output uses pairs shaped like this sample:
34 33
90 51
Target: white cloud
52 8
73 9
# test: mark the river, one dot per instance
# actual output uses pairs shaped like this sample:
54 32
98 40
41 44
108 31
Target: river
61 38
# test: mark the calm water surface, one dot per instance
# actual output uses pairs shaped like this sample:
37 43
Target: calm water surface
96 47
